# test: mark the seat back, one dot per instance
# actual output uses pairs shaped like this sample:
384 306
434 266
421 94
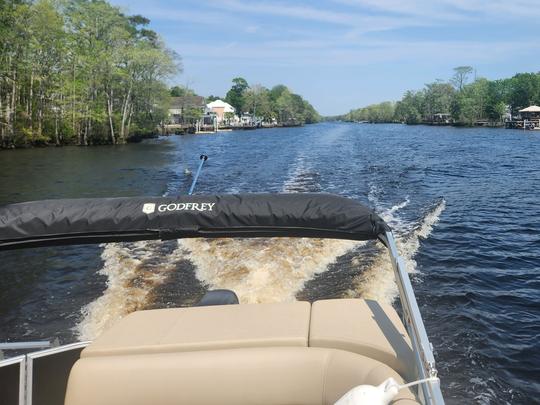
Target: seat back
365 327
275 375
206 328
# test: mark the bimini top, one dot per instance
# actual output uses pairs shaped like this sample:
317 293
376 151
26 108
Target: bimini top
97 220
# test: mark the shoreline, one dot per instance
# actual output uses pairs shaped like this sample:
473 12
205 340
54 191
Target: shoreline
141 138
156 135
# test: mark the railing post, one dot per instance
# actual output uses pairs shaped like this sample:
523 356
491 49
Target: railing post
415 326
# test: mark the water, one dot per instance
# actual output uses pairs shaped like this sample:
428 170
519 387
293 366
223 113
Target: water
463 203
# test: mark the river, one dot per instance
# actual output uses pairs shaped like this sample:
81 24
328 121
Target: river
464 204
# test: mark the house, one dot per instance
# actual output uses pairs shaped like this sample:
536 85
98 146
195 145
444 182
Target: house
223 111
186 109
442 118
531 113
529 119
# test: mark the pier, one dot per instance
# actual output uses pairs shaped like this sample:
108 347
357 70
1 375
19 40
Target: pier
529 119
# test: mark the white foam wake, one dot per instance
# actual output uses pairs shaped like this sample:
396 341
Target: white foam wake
302 178
267 270
133 270
377 282
263 270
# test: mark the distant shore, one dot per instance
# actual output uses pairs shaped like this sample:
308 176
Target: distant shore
486 124
186 129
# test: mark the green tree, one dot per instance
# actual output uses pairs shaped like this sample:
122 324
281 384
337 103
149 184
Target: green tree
524 91
410 108
78 71
437 98
235 96
257 102
181 91
211 98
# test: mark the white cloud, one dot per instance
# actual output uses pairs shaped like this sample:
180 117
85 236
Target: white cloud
334 53
451 10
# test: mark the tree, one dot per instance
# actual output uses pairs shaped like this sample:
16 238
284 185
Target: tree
437 98
211 98
461 75
235 96
257 102
524 90
180 91
78 71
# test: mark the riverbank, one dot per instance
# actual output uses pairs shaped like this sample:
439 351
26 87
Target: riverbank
137 138
185 129
487 124
166 130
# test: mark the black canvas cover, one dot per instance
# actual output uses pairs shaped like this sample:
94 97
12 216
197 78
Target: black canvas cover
97 220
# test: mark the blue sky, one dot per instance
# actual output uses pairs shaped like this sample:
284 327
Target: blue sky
343 54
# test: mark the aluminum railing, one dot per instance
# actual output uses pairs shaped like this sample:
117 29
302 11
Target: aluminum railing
425 361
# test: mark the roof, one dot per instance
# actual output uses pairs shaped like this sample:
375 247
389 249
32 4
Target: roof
189 100
221 104
532 108
98 220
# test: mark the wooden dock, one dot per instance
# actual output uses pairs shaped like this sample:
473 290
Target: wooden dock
530 125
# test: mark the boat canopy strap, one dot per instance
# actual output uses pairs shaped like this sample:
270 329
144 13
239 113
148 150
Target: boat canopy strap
98 220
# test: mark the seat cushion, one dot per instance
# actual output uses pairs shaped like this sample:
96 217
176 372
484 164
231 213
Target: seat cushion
205 328
364 327
273 375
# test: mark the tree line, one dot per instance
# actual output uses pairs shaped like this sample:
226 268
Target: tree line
462 100
79 72
277 104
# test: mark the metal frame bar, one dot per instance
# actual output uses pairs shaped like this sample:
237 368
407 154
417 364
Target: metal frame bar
25 345
422 348
47 352
22 374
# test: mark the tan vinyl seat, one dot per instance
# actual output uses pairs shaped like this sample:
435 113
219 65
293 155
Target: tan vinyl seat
364 327
243 354
206 328
274 375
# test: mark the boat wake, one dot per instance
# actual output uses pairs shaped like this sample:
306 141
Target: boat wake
267 270
258 270
133 270
377 281
263 270
302 178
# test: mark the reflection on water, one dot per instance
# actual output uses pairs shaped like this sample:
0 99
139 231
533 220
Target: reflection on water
462 202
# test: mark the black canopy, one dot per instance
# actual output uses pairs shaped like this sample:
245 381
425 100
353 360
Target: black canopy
97 220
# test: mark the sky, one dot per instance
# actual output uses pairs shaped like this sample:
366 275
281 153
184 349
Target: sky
343 54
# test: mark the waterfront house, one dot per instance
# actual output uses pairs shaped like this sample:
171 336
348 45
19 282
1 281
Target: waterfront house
223 111
531 113
186 109
531 117
442 118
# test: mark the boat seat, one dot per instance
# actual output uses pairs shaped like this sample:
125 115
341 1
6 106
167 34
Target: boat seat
365 327
205 328
264 376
